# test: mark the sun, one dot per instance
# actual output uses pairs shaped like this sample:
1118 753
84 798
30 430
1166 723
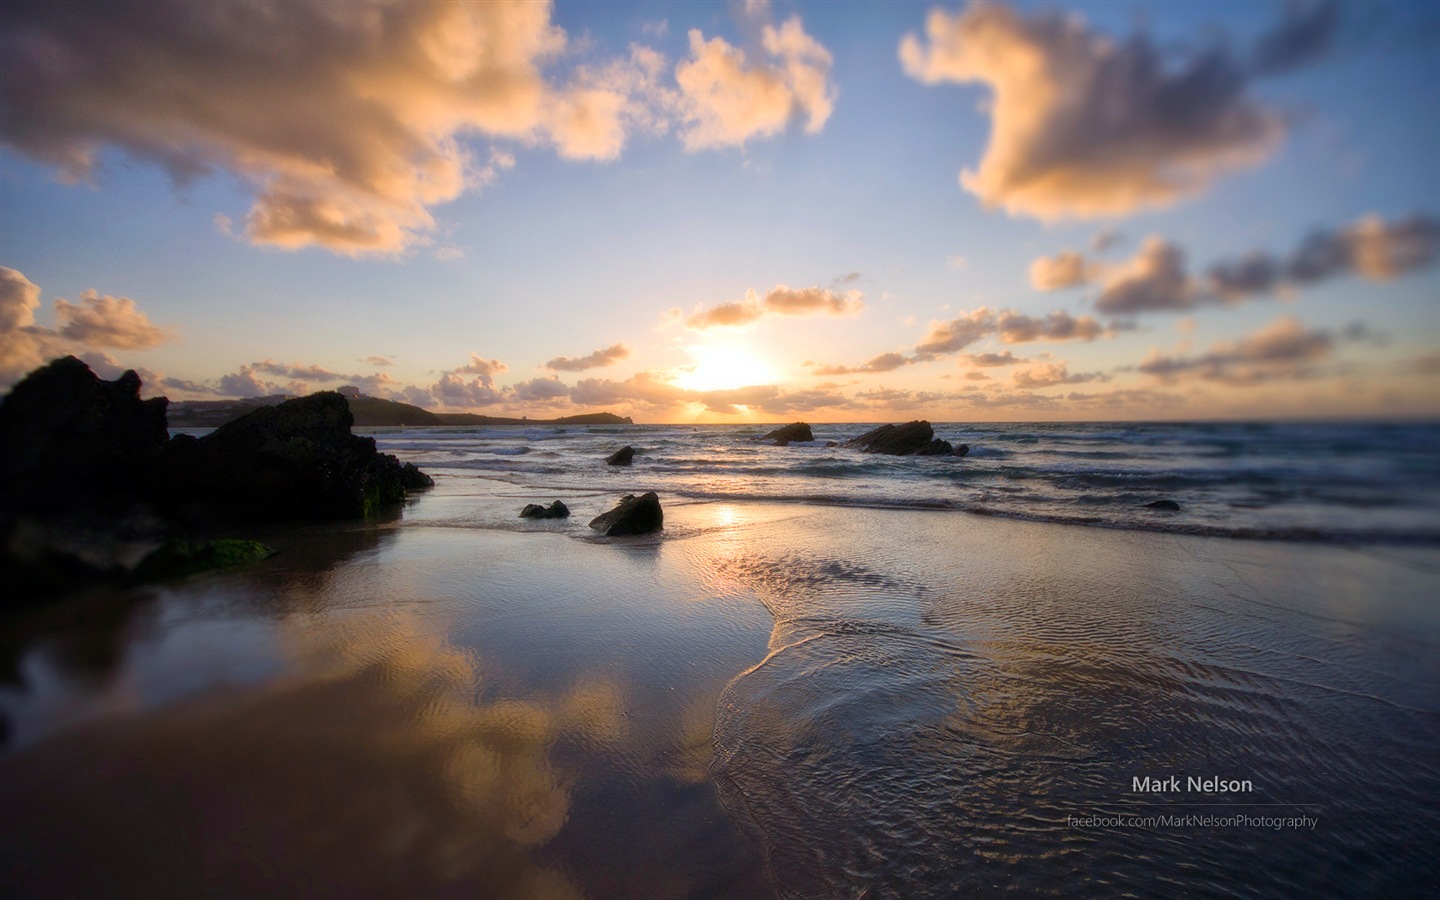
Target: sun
721 366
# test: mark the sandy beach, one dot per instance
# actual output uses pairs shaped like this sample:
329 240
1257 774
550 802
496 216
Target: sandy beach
765 699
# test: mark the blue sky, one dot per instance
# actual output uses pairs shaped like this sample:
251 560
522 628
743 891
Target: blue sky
801 182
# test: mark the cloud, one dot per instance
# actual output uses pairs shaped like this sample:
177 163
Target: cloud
600 358
1157 278
992 360
729 96
807 401
654 392
595 113
349 129
1305 33
885 362
944 338
1283 349
1053 273
485 368
1048 374
780 300
247 383
298 371
957 334
379 360
23 344
108 322
96 321
541 390
1105 239
185 386
1253 273
1016 328
1370 248
1086 126
453 390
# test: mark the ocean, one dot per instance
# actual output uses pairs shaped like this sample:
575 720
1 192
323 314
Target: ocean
1335 482
830 675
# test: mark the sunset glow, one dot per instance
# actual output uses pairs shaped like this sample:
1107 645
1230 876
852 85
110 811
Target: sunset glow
722 366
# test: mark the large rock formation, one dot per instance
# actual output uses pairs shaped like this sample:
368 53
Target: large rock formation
69 441
621 457
795 431
634 515
289 462
90 482
911 439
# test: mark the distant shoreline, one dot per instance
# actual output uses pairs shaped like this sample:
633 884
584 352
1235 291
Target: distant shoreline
369 412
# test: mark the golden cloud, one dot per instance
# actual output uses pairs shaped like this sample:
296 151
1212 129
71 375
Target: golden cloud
729 96
1085 126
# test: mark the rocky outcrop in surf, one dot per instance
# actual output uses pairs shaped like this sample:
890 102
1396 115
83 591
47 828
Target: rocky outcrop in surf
294 461
633 515
622 457
556 510
911 439
795 431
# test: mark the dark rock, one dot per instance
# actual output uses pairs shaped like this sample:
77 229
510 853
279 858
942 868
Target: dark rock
90 482
911 439
962 449
796 431
556 510
621 457
634 515
294 461
69 441
1170 505
412 479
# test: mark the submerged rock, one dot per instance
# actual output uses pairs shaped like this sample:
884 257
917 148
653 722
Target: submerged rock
556 510
911 439
962 449
1170 505
621 457
796 431
178 558
634 515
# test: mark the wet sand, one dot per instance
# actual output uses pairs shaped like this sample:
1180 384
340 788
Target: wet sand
815 701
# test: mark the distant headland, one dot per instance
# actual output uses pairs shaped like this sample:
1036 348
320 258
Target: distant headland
368 412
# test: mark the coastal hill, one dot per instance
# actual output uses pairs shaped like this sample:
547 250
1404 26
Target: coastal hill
368 412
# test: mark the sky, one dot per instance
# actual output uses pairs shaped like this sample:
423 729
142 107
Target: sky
735 211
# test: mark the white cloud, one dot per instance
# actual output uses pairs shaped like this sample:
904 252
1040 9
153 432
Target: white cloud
729 95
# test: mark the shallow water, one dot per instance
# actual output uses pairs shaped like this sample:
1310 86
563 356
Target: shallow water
768 698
